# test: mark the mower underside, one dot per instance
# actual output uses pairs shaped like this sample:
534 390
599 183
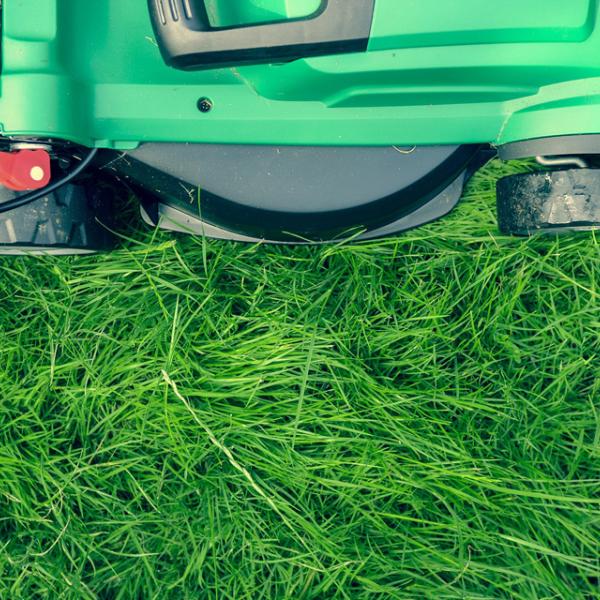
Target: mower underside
296 194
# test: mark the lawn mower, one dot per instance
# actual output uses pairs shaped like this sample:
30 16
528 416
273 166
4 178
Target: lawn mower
292 121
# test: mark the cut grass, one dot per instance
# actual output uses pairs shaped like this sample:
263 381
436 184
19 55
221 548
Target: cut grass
410 418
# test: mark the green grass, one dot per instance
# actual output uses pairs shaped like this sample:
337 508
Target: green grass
410 418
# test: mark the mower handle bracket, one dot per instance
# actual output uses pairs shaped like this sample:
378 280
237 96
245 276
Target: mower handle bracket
188 41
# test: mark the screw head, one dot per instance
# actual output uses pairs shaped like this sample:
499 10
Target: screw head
205 105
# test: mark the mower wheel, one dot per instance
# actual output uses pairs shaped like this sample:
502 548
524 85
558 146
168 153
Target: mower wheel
549 202
72 220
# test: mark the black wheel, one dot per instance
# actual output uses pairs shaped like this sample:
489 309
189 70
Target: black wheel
76 219
551 201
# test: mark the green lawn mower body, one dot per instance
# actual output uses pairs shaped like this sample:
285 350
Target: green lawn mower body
304 120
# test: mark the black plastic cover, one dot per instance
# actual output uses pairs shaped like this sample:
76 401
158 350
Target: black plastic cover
285 193
188 41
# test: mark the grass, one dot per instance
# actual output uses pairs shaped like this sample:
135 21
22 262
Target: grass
410 418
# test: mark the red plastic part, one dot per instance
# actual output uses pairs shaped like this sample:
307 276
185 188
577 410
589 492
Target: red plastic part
25 170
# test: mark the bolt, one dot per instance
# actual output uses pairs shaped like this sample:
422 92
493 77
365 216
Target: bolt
205 105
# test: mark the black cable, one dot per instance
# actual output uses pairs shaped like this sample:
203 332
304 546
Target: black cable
37 194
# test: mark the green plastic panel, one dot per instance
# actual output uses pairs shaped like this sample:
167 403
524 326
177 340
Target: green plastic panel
437 72
441 23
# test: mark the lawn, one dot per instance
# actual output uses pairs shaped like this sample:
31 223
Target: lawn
410 418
